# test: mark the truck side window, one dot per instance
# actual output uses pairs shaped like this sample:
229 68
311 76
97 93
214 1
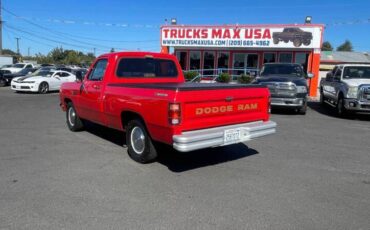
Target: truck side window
146 67
338 74
97 73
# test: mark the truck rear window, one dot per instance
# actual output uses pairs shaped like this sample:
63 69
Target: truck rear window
146 67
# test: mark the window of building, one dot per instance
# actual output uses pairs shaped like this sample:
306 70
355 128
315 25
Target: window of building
208 63
182 57
269 58
302 58
223 60
285 57
194 60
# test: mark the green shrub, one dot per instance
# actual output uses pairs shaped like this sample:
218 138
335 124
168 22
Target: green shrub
190 75
245 79
224 77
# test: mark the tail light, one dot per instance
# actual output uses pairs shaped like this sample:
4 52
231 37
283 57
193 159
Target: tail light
174 113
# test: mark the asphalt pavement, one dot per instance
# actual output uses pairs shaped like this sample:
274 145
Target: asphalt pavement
314 173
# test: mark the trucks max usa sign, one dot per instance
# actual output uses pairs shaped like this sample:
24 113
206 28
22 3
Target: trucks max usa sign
282 37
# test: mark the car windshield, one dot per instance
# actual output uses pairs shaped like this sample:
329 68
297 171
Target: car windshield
43 73
18 65
291 70
356 72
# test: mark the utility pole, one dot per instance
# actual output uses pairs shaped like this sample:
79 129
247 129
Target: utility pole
18 45
94 49
28 53
1 30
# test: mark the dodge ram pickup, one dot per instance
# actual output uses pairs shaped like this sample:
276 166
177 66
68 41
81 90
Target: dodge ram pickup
287 83
347 88
145 95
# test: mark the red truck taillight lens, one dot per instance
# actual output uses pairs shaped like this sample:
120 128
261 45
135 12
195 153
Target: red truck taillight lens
174 113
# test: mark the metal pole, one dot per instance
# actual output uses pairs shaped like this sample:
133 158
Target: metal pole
94 52
1 30
28 53
18 45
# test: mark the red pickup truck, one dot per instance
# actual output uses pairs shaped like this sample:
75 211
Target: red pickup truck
145 95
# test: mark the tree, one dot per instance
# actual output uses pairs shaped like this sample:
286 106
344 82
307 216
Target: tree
346 46
326 46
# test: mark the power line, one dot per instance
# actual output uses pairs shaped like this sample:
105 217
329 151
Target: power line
72 35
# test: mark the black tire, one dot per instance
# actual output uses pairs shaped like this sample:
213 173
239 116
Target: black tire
74 122
341 110
307 42
297 42
303 109
2 83
276 41
140 146
43 87
322 98
286 40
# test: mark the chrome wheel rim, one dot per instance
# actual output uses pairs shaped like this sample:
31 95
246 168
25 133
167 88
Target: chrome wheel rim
44 88
71 116
137 140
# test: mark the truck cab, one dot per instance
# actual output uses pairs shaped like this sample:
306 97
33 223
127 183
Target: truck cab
347 88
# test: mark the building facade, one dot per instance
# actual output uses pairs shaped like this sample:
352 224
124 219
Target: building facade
239 49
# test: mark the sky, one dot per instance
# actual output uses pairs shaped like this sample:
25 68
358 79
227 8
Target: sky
84 25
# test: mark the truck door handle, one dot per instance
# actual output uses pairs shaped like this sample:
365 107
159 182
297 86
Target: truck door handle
96 86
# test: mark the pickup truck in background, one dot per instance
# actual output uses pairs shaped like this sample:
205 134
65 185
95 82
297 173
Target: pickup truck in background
18 67
287 83
295 35
347 88
145 95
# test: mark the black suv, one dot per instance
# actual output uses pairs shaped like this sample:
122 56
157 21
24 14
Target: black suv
295 35
287 83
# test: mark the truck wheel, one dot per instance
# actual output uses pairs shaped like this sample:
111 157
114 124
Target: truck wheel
286 40
276 41
140 146
43 87
341 110
74 123
2 83
307 42
297 42
303 109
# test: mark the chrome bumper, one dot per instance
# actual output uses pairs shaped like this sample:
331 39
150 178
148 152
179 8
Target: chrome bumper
213 137
356 105
289 102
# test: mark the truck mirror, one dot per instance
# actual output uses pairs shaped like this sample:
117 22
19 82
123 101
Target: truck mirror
79 76
310 75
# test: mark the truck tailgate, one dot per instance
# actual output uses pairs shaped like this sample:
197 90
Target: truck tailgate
216 105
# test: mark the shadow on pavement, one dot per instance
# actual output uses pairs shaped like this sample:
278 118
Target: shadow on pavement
176 161
180 162
330 111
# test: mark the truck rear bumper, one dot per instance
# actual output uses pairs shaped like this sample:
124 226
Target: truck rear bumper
213 137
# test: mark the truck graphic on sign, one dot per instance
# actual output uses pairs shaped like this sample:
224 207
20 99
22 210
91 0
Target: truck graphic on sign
293 34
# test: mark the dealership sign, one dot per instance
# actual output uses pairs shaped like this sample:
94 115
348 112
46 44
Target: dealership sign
238 37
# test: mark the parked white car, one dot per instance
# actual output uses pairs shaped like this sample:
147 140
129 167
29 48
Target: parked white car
42 81
18 67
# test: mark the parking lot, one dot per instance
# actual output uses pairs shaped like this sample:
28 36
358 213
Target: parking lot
314 173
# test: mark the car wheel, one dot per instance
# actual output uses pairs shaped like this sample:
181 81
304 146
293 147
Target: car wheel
286 40
297 42
341 110
2 83
140 146
74 122
43 87
276 41
307 42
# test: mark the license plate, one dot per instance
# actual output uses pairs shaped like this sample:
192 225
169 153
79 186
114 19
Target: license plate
232 136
